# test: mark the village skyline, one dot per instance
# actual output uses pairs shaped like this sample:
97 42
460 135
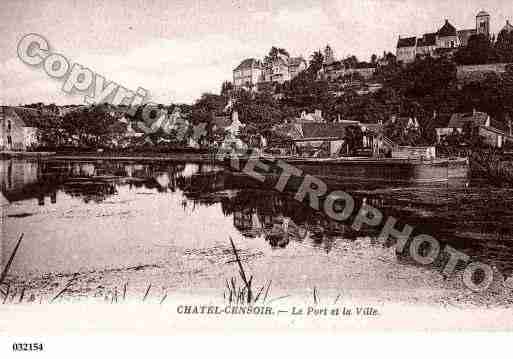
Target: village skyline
177 67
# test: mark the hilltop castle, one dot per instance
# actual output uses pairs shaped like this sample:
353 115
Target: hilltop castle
252 72
446 39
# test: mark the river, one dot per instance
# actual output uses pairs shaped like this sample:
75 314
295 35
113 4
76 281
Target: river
168 224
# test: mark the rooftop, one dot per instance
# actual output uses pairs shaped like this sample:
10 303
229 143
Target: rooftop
323 130
459 120
406 42
427 40
447 30
28 116
248 64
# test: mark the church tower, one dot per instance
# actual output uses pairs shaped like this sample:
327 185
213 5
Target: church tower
329 55
483 23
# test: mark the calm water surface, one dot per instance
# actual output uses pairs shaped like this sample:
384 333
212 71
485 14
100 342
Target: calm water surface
91 215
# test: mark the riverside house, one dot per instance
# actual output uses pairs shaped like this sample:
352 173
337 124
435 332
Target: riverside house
310 134
481 124
18 129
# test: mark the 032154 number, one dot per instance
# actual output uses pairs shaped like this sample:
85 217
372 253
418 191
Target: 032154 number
27 347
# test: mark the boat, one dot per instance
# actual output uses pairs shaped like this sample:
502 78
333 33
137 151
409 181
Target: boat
375 170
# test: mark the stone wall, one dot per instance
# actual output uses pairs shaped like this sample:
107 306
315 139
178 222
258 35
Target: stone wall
479 72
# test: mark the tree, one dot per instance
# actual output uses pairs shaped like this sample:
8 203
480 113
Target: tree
91 127
274 54
478 51
226 88
208 105
504 45
374 59
316 61
350 62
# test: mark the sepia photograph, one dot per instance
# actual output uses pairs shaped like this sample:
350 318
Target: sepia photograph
286 166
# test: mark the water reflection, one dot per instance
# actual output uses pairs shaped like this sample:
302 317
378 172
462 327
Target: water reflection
456 215
91 181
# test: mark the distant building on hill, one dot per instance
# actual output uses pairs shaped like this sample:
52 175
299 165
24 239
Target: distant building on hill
296 65
445 40
406 49
251 73
247 74
333 69
508 27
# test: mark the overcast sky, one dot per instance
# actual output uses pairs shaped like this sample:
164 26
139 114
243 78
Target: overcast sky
179 49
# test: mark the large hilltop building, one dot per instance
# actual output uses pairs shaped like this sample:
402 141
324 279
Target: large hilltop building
248 73
252 72
446 39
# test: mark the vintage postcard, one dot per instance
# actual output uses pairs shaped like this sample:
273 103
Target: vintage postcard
255 166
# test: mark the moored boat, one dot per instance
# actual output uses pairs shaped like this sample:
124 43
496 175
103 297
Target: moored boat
389 170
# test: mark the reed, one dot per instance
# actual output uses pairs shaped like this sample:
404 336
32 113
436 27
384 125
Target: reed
316 296
6 295
147 292
124 291
242 273
267 290
22 295
65 289
337 298
244 293
163 299
11 258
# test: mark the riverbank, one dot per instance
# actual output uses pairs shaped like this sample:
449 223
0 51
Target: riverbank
370 275
25 154
178 156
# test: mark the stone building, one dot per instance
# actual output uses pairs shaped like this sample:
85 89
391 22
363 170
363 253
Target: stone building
406 49
446 40
333 69
18 129
247 74
491 131
251 73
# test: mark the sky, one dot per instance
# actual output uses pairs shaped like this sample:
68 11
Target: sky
180 49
